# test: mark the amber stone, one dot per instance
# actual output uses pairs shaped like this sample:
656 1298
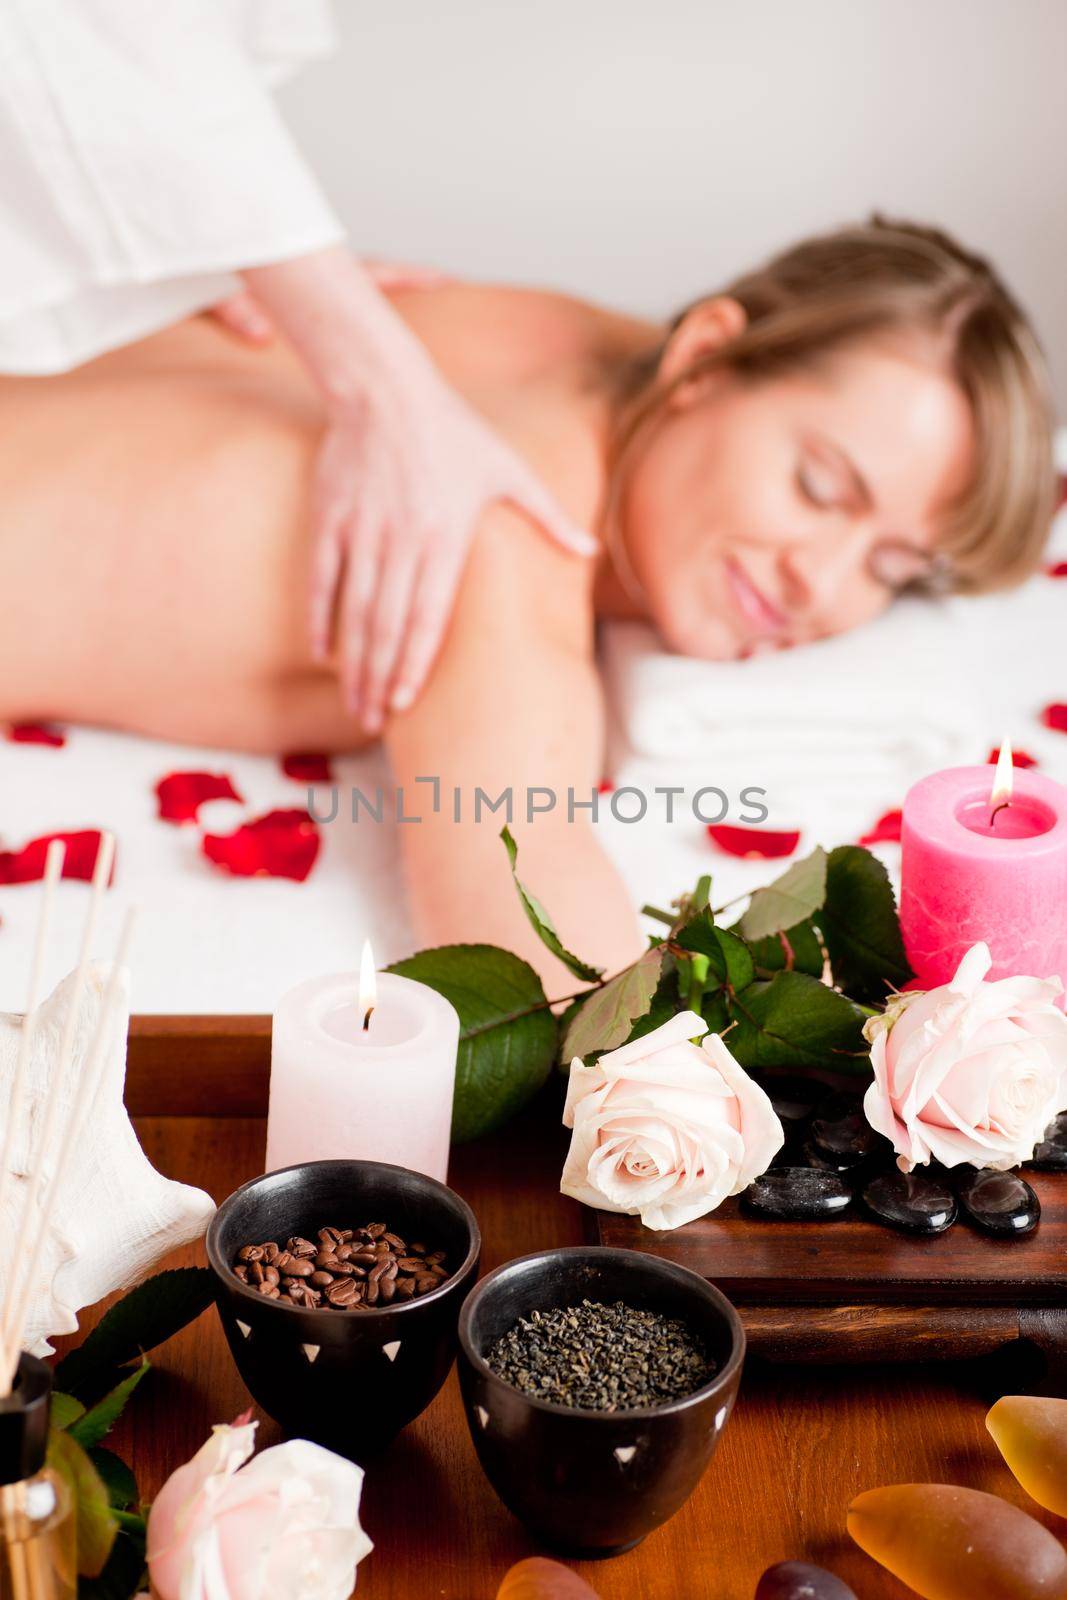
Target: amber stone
1031 1435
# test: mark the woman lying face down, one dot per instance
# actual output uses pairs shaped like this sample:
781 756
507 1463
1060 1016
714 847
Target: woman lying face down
865 414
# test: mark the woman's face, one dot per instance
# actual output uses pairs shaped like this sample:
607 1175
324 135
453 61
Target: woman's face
763 514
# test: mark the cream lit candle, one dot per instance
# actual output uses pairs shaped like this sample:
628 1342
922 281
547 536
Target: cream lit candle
985 858
362 1067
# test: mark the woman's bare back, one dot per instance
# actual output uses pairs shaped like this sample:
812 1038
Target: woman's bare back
154 515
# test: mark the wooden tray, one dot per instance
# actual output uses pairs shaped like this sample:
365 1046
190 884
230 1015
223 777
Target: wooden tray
851 1289
848 1290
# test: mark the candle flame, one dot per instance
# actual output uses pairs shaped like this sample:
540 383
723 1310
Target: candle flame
1003 779
368 983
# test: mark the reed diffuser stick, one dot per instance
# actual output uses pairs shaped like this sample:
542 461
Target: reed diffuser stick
10 1333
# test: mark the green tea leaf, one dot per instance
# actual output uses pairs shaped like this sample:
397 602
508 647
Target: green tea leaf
507 1035
95 1520
148 1315
728 956
119 1481
793 1020
796 949
790 899
860 925
542 923
124 1574
98 1422
606 1019
65 1410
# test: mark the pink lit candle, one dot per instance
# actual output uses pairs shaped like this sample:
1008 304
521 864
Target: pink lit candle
985 858
362 1067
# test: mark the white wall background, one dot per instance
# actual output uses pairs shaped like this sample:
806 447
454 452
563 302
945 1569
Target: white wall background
641 151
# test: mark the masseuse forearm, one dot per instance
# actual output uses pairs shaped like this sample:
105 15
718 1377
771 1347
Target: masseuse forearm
340 324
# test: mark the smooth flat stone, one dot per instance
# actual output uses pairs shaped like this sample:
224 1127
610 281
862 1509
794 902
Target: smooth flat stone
912 1201
839 1127
1000 1203
799 1580
844 1161
1051 1154
798 1194
794 1100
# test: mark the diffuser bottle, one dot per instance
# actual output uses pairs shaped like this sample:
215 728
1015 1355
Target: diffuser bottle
37 1554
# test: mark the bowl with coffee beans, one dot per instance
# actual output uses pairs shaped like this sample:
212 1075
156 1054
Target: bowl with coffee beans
339 1285
596 1384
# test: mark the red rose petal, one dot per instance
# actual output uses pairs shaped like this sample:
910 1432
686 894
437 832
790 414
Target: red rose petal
1055 716
885 831
605 786
181 794
1057 569
1019 758
282 844
27 865
36 733
736 841
306 767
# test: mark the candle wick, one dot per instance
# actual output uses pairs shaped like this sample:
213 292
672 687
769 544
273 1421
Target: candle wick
366 1018
1003 806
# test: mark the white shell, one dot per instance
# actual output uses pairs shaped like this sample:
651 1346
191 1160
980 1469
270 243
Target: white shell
625 1454
115 1216
392 1349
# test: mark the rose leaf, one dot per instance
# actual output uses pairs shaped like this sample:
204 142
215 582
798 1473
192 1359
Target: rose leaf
797 949
542 923
790 899
606 1019
728 956
94 1518
860 925
793 1020
507 1035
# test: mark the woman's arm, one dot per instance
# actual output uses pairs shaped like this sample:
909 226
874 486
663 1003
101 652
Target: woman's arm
514 702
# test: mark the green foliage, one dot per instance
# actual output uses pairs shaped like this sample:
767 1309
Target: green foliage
507 1037
607 1017
95 1424
790 899
793 1020
860 925
119 1481
124 1573
65 1409
796 949
95 1521
542 923
149 1314
729 957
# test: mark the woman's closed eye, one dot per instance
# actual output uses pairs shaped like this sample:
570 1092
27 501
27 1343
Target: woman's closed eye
898 565
818 484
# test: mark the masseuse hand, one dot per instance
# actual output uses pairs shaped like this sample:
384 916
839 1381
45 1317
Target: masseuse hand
403 474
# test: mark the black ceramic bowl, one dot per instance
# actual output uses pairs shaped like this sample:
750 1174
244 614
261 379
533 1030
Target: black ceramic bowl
349 1380
593 1483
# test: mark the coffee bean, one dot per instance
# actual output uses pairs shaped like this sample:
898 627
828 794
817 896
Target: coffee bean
301 1295
349 1268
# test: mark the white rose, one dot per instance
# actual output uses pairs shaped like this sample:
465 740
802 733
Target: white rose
285 1524
665 1128
970 1071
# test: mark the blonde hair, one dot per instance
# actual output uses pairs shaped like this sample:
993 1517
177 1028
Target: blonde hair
888 276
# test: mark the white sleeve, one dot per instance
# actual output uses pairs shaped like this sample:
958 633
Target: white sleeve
138 144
